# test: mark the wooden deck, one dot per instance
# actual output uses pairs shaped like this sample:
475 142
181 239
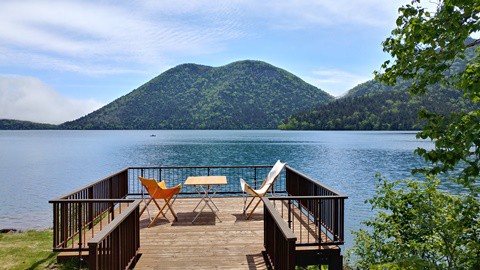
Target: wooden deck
234 243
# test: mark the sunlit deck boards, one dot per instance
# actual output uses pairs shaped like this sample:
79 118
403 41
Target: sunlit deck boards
234 243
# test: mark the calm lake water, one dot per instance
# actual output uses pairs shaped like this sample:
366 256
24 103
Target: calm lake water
36 166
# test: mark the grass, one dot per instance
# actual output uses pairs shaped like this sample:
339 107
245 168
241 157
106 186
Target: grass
29 250
312 267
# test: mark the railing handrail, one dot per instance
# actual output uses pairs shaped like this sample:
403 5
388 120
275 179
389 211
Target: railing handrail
115 223
307 197
91 200
287 233
91 184
199 167
315 182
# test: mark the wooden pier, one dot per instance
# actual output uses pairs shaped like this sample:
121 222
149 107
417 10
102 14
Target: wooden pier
234 243
101 223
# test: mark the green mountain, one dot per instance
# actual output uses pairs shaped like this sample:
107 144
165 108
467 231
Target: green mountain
240 95
371 87
387 110
376 106
8 124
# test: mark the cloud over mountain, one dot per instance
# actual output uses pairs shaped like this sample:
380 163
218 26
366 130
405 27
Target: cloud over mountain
28 98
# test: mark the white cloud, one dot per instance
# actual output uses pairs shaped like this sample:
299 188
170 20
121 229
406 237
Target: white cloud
336 82
111 37
95 37
27 98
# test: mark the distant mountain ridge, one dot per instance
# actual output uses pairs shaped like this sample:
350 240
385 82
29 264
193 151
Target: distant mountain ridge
9 124
373 105
256 95
241 95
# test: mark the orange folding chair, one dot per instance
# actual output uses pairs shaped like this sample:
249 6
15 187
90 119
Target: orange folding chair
157 191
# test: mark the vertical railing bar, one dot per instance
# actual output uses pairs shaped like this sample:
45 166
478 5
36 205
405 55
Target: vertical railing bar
80 229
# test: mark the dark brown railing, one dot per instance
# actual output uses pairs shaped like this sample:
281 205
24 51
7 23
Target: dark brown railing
322 205
313 215
309 224
79 215
116 246
279 240
100 212
174 175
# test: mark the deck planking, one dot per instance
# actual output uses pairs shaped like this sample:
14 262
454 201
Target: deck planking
234 243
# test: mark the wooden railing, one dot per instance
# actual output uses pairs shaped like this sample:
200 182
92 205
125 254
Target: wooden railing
100 212
309 224
313 215
279 240
116 246
79 215
174 175
73 224
321 204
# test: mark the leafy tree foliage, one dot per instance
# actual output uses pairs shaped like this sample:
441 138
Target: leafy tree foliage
241 95
425 47
417 226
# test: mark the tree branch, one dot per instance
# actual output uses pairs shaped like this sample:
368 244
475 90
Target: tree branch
473 43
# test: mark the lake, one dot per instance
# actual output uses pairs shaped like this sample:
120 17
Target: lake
36 166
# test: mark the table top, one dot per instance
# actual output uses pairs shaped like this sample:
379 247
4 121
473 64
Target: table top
206 180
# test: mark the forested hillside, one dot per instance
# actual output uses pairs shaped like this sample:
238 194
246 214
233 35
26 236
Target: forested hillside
8 124
376 106
387 110
241 95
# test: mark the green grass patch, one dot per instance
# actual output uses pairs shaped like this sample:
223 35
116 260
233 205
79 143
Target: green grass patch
312 267
29 250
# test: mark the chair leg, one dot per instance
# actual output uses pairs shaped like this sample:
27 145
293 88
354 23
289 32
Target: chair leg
160 209
244 202
155 218
251 213
145 207
246 208
167 203
160 212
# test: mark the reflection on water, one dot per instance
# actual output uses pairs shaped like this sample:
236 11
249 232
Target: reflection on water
36 166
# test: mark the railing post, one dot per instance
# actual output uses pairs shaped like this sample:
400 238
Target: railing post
117 257
319 217
64 226
291 254
93 256
335 220
255 176
110 188
80 229
289 214
55 225
90 208
112 210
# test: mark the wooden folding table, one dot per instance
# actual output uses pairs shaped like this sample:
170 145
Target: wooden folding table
204 186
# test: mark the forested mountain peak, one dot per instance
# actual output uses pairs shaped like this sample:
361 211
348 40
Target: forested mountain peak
240 95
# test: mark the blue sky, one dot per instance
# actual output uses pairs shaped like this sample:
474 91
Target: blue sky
60 60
